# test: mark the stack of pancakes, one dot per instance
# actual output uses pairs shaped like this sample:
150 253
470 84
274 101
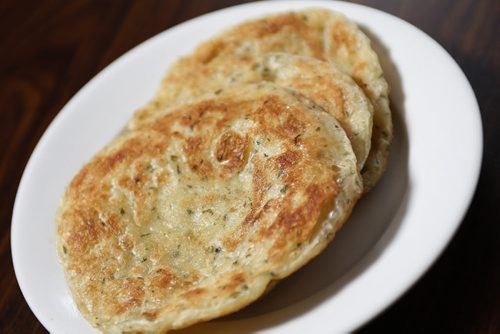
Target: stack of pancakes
250 157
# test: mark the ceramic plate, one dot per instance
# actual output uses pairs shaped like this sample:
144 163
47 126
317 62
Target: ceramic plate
393 236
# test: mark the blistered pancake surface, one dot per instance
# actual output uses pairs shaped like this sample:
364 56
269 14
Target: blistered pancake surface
192 215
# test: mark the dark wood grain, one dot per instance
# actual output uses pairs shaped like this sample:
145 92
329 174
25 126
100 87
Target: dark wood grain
50 49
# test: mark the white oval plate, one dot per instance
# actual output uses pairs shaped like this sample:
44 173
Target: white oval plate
394 235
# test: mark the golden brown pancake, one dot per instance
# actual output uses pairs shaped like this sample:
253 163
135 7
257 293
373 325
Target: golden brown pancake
192 215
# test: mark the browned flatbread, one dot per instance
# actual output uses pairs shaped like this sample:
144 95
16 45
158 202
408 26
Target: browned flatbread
192 215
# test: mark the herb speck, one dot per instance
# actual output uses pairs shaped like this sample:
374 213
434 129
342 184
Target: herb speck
208 211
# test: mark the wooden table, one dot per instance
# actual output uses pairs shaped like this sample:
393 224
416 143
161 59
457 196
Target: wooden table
50 49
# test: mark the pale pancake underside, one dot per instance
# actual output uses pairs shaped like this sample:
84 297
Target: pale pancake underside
192 215
318 33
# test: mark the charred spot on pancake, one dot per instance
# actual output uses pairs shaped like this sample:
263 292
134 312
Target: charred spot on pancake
231 151
286 160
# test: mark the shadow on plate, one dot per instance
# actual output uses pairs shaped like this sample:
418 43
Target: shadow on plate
371 227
